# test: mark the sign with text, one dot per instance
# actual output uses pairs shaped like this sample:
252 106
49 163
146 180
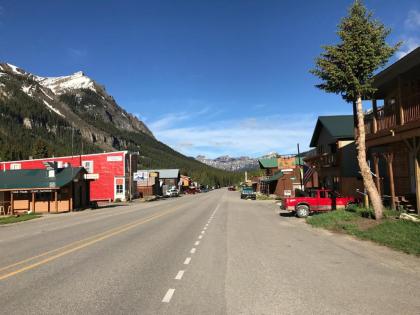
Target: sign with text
114 158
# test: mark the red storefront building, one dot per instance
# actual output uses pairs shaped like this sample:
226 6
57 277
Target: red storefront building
111 172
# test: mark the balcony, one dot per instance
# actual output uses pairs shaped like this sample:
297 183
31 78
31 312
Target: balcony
393 116
313 157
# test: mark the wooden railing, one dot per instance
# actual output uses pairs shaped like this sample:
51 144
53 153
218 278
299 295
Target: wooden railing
411 108
329 159
388 116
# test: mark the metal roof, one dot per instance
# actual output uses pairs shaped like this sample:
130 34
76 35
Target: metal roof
273 178
339 127
167 173
37 178
268 163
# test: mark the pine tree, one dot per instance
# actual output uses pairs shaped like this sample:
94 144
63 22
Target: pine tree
40 149
348 68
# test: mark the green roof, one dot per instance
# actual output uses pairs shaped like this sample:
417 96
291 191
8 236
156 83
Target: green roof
268 163
273 178
37 178
339 127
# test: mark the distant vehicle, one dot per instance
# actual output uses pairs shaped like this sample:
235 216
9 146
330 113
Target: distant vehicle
317 200
191 191
173 192
231 188
248 193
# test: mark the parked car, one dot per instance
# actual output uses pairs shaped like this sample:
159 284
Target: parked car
231 188
191 191
172 192
317 200
248 193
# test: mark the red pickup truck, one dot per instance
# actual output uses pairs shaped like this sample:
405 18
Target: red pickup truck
317 200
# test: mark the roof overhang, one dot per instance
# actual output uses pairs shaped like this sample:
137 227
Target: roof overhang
388 77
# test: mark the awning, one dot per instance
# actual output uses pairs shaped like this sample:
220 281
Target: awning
273 178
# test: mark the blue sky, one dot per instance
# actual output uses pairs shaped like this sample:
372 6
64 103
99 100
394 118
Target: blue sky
208 77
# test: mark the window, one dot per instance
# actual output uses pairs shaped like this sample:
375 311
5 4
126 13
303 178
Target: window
322 194
119 189
15 166
88 165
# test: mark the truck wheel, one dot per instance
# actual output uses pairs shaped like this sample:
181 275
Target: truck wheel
302 211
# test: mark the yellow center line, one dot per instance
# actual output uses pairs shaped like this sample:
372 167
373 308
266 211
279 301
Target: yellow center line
71 244
93 239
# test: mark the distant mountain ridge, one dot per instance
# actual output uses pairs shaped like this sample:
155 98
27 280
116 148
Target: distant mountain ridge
74 114
228 163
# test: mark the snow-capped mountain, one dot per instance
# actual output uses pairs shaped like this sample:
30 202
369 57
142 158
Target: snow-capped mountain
60 85
228 163
77 99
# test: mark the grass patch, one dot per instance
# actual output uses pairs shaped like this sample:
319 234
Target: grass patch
265 197
398 234
20 218
395 233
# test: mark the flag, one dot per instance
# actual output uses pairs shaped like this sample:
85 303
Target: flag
307 175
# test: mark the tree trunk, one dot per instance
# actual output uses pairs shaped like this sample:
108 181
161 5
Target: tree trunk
360 135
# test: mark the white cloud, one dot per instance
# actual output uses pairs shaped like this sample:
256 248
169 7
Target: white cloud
413 20
172 119
253 136
410 37
409 44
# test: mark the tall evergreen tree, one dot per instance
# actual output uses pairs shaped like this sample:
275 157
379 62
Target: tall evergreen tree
347 69
40 149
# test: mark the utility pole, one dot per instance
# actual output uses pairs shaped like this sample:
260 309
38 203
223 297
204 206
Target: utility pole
130 179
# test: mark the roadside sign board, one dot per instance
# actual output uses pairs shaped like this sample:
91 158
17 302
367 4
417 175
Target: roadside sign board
139 176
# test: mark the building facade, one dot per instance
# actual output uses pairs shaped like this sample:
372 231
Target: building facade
112 172
393 132
283 176
334 158
44 190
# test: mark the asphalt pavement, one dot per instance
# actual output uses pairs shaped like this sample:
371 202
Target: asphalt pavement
209 253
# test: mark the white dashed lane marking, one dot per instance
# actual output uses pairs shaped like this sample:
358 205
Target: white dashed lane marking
168 296
179 275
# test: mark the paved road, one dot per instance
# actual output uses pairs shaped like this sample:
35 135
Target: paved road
206 254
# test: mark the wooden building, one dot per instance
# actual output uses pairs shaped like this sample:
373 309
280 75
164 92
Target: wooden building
44 190
283 176
334 157
393 131
147 183
112 171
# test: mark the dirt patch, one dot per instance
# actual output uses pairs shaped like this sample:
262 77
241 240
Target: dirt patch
365 224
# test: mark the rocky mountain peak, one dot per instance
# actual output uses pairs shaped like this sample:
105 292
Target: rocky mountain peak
76 97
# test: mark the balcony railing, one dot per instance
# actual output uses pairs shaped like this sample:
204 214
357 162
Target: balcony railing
411 110
390 116
329 159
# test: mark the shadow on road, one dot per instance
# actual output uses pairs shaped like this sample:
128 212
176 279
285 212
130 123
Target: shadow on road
287 214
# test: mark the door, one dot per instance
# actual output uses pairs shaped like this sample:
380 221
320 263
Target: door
119 188
324 200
